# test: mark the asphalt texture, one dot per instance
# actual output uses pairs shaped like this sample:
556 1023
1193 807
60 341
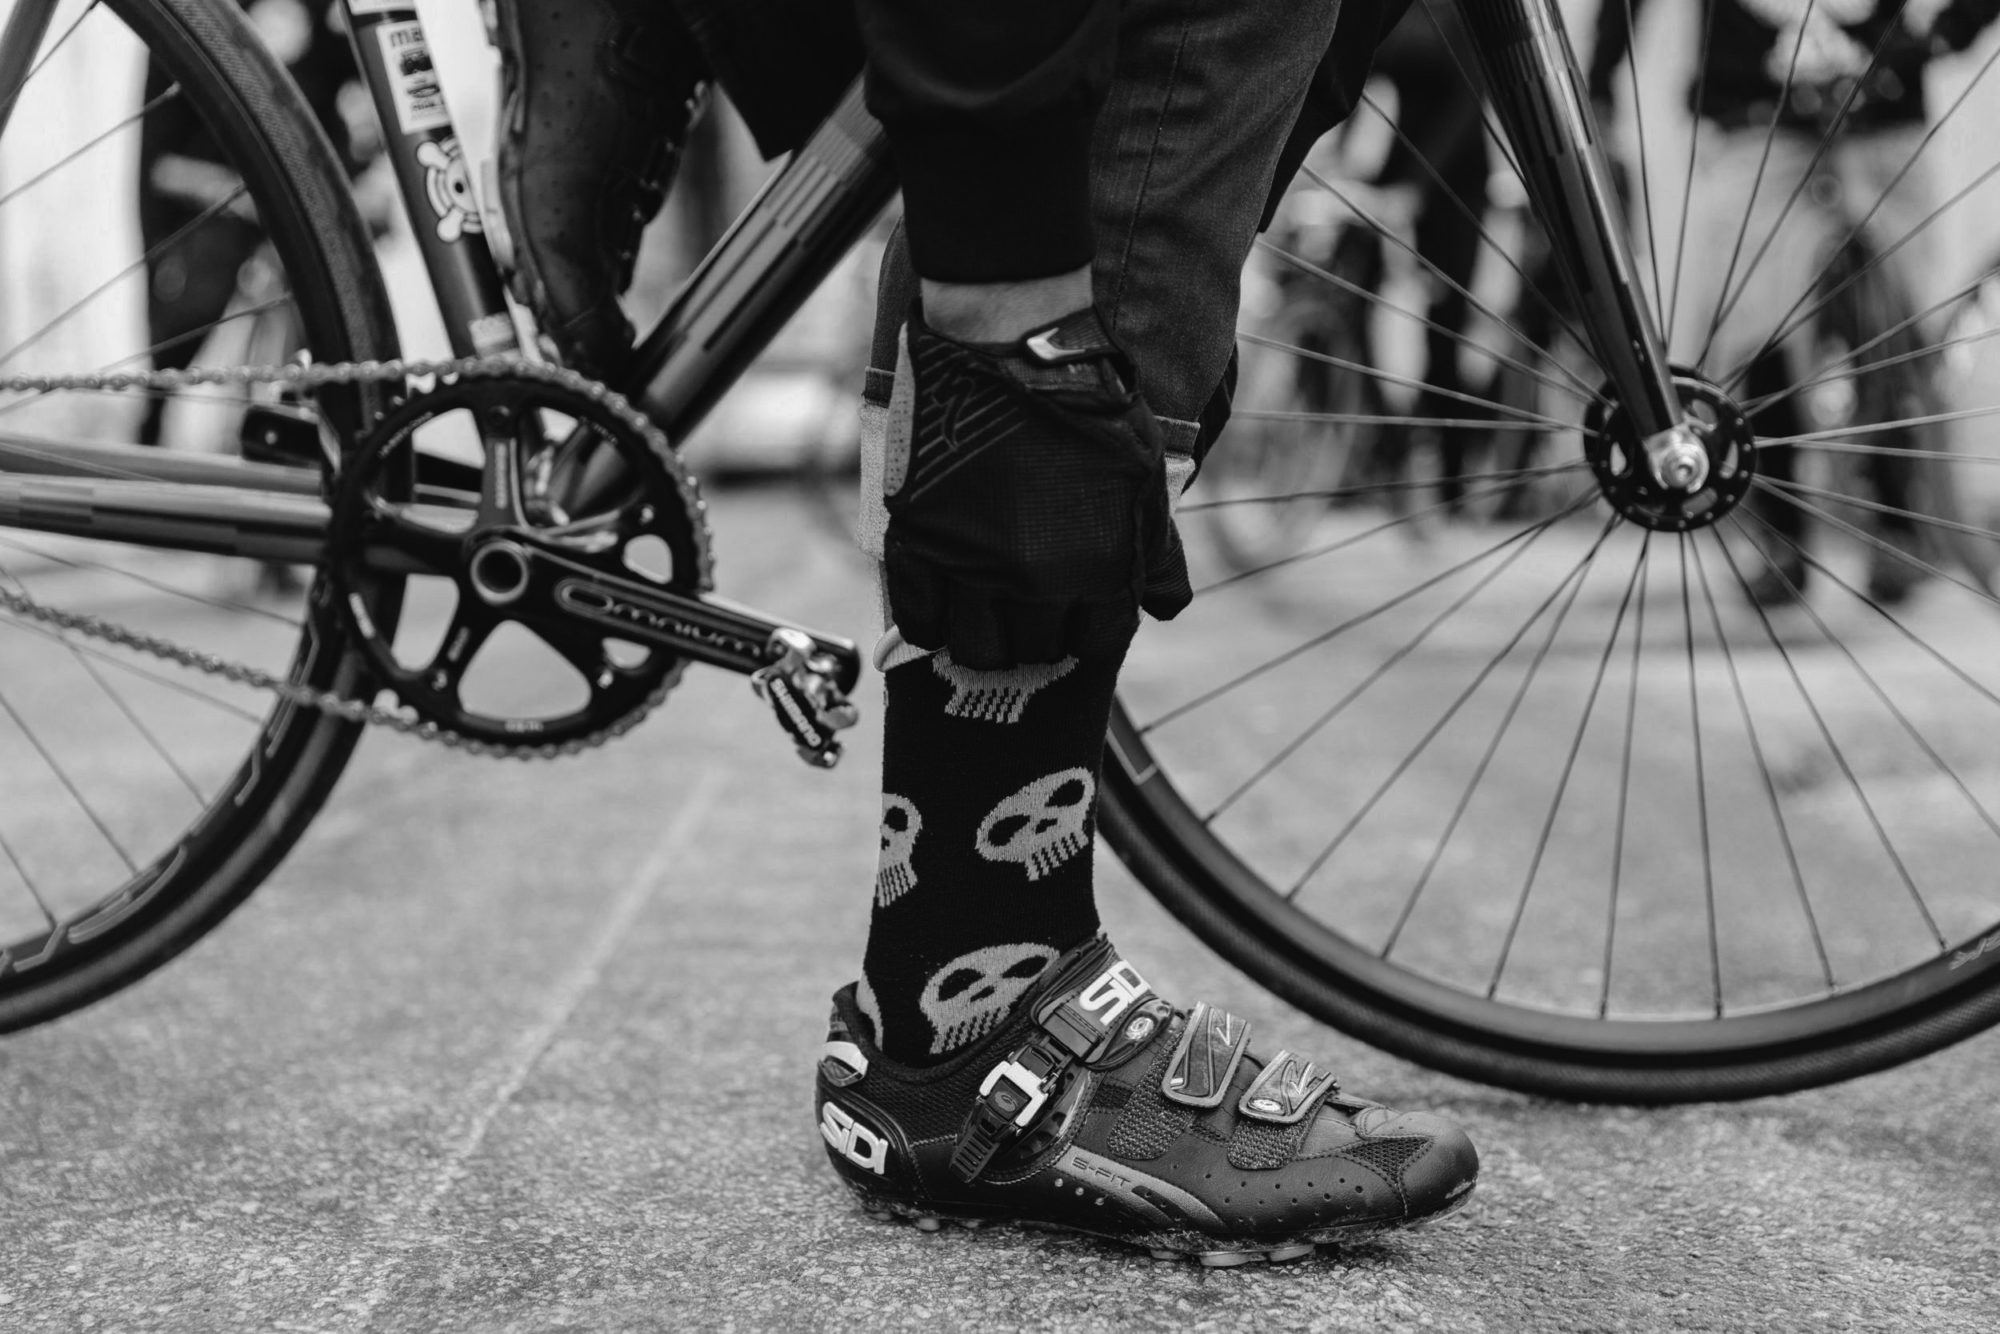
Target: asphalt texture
529 1047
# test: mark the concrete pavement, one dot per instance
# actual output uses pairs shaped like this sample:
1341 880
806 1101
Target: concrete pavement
528 1047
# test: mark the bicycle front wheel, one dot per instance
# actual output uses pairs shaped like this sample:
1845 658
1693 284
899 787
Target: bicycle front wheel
1591 796
168 201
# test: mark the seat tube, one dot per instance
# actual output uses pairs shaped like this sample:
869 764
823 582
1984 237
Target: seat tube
433 174
1535 87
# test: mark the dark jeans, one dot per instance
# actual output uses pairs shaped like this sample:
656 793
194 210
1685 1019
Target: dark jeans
1212 105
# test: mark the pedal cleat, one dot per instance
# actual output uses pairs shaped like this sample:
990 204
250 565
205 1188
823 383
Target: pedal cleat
1100 1108
802 684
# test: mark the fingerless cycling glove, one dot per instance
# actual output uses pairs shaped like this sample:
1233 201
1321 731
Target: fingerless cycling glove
1027 498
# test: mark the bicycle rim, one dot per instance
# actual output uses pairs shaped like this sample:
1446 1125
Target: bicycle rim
143 801
1556 795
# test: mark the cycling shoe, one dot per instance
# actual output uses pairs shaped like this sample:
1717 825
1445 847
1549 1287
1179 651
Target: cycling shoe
597 98
1097 1107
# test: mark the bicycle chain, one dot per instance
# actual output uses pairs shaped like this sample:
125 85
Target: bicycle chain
308 376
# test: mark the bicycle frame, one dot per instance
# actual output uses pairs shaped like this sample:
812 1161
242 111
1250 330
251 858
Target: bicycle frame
792 234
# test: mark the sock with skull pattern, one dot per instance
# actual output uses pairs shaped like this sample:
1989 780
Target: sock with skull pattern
989 806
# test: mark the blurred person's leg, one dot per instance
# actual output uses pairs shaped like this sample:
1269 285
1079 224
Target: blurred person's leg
1747 189
1883 177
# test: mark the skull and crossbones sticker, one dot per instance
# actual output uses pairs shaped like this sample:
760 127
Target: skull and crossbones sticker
448 184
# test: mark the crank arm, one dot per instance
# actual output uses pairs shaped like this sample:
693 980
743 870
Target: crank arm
805 676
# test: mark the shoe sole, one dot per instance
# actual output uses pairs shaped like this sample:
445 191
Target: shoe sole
1220 1253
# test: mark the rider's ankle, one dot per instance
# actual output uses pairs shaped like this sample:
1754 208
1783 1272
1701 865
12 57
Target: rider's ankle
1006 311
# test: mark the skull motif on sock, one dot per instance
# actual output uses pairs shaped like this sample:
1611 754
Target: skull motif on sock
895 876
995 696
1041 826
968 997
870 1007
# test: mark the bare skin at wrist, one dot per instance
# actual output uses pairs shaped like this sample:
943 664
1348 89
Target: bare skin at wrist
1003 312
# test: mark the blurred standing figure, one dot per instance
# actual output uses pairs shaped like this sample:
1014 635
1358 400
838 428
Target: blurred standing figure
1811 114
198 231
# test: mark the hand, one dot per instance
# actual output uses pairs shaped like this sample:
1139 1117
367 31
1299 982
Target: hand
1027 499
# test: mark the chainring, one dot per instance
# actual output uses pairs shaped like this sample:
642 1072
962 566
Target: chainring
564 468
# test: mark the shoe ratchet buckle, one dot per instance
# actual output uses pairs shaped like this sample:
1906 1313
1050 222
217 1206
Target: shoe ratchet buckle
1034 1094
802 684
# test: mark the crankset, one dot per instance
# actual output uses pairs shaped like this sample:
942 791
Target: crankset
570 522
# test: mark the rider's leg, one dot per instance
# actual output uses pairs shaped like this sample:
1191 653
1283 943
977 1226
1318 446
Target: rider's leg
960 746
1008 1079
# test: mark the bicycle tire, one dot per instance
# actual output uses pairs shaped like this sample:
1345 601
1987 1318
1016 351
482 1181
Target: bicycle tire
1319 783
258 806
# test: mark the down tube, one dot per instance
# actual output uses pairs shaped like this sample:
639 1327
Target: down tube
1535 87
791 236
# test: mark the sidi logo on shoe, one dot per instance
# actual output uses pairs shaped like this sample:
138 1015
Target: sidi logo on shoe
1113 992
852 1140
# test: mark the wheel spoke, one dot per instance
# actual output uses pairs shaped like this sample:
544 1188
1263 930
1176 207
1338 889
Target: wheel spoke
1405 381
1576 578
1645 169
74 154
132 668
1826 732
1855 232
1831 372
1625 780
1381 669
1477 493
1723 303
117 698
7 107
1694 145
1576 389
1529 283
1700 785
1512 475
1562 782
1877 507
1809 305
186 229
63 777
1886 548
1903 720
1770 782
1327 636
1431 266
1423 743
1834 128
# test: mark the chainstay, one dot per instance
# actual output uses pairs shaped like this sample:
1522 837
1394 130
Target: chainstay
306 376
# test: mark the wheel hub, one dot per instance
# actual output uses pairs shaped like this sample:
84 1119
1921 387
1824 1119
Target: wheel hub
1691 477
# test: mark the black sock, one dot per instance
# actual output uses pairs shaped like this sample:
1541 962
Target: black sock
989 807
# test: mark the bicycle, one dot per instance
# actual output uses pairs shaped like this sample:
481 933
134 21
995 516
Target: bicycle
443 506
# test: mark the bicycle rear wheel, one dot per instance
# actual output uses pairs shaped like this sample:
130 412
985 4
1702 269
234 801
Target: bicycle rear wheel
141 801
1555 796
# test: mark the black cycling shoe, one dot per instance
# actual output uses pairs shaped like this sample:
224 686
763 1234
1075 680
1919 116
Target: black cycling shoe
598 99
1097 1107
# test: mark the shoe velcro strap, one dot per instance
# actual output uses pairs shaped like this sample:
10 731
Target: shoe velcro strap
1015 1095
1287 1088
1211 1047
1099 1023
1090 1019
